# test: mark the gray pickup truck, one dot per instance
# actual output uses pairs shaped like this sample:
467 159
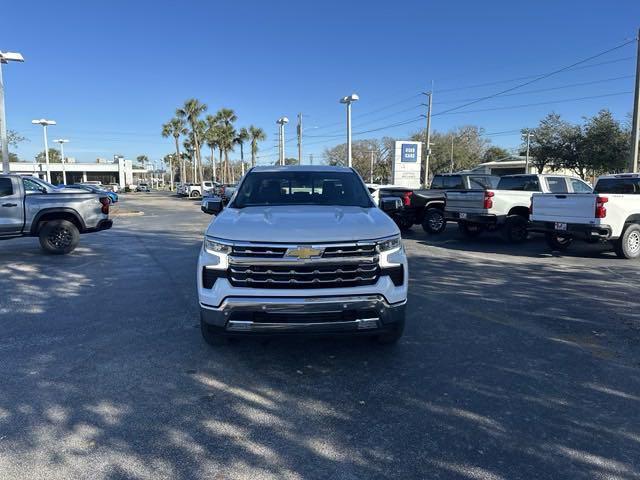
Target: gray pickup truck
32 207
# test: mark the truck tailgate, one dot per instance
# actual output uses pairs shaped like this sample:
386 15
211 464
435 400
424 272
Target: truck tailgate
464 200
576 207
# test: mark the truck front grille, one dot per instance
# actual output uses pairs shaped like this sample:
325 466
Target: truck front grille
336 251
305 275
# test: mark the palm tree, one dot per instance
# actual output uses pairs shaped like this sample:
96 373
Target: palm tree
191 111
241 137
211 136
225 118
256 135
174 128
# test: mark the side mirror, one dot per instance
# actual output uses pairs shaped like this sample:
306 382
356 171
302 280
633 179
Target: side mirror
390 204
212 205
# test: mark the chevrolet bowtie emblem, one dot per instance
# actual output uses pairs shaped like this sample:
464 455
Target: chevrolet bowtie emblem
304 252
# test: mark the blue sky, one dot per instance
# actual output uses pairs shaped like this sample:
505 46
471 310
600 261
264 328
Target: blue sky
111 73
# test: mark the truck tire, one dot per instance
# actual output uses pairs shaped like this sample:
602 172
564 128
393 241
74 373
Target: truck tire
392 336
212 335
470 230
59 237
628 245
195 194
558 242
434 221
515 229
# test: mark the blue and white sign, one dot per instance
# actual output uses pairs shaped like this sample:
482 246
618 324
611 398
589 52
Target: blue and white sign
406 164
409 152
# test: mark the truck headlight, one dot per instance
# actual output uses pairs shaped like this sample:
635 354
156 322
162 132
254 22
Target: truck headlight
213 245
389 244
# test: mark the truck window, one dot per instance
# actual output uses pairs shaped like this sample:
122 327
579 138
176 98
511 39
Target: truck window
557 185
302 188
437 183
629 186
526 183
6 187
31 186
579 186
485 182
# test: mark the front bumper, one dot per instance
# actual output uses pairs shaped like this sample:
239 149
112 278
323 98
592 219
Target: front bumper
578 230
365 313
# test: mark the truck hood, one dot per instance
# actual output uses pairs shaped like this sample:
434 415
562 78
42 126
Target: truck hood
302 224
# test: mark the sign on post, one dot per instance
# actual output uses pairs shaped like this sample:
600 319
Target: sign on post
406 164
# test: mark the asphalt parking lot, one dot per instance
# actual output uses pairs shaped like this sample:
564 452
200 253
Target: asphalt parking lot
516 364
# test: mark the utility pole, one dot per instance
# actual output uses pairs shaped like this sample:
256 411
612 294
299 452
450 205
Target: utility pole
5 57
526 164
452 137
427 142
635 134
371 175
300 139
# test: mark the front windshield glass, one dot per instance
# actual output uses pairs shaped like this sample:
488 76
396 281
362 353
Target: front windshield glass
302 188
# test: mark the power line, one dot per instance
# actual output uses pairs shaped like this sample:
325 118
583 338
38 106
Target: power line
541 77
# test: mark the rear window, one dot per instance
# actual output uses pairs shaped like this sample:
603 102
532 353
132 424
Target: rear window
6 187
618 185
557 185
526 183
483 181
448 182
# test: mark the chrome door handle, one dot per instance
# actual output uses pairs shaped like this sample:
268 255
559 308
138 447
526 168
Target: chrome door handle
9 204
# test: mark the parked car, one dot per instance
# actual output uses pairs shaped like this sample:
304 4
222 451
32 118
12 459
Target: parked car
611 213
225 191
143 187
195 191
113 197
507 206
57 216
301 249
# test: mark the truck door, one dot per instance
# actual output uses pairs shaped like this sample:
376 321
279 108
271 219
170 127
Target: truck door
11 211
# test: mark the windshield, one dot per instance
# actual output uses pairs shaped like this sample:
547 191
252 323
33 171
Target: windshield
302 188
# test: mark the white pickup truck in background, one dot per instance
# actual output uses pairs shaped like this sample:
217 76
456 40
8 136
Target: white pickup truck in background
506 206
611 212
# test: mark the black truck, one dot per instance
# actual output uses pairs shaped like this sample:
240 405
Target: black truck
426 207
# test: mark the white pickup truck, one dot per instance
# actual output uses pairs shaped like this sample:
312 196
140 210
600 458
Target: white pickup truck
506 206
611 212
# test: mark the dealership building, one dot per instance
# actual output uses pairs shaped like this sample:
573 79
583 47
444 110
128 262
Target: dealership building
118 171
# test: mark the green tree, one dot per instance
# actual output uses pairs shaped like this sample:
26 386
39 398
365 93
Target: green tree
142 160
241 137
547 146
256 135
225 118
54 156
603 146
362 152
175 128
190 112
212 138
494 153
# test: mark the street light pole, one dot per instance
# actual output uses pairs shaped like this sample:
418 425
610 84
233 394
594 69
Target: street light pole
5 57
428 138
282 121
299 139
348 101
371 175
61 142
635 132
45 124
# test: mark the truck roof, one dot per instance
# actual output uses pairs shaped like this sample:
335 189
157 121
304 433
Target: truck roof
301 168
620 175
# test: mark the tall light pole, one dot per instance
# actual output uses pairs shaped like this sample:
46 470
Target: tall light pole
45 124
348 101
61 142
299 139
282 121
427 142
528 136
5 57
635 133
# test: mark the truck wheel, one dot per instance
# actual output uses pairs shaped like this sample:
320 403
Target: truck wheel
59 237
195 194
434 221
470 230
212 335
516 229
628 245
558 242
392 336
